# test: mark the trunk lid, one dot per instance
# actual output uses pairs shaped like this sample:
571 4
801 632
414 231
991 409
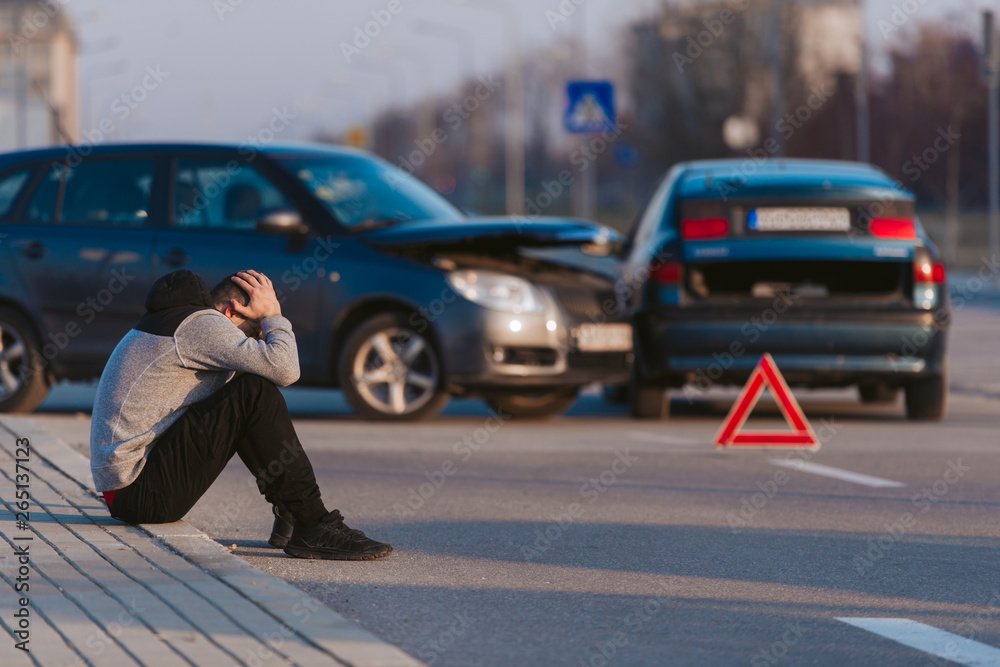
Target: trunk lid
815 246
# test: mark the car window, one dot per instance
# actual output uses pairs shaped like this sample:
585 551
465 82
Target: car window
360 191
107 192
222 194
10 187
42 205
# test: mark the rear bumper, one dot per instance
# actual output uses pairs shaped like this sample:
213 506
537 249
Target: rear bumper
817 348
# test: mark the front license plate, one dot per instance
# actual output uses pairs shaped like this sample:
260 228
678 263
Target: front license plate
604 338
799 220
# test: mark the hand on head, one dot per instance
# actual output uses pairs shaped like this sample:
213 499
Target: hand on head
263 300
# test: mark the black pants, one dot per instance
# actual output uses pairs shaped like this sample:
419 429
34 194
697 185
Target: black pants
247 417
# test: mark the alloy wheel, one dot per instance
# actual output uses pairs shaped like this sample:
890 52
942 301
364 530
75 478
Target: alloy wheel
396 371
12 360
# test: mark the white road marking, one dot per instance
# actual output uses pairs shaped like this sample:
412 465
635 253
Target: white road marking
931 640
837 473
643 436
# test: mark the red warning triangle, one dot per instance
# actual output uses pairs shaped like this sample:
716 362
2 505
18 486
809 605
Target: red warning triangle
766 373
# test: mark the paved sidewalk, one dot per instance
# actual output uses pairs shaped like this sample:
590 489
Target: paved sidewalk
102 592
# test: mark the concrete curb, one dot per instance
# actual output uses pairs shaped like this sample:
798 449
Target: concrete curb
295 613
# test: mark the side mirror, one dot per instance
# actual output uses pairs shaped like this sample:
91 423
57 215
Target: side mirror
281 221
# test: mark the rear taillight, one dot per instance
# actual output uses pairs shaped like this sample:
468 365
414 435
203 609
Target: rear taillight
667 274
893 228
926 271
928 280
706 228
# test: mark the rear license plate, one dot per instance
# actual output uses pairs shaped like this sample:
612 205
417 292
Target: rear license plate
799 220
604 337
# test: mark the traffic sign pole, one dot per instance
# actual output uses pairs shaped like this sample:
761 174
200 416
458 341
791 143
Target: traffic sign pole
590 109
588 191
588 179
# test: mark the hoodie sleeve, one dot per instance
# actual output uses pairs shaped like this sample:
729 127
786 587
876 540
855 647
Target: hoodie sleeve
207 340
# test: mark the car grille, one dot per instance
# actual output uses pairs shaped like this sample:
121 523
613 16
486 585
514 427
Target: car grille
598 361
525 356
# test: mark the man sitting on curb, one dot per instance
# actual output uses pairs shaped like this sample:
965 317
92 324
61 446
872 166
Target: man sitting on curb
193 383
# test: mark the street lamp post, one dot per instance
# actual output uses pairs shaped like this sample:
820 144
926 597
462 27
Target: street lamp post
863 150
991 71
775 53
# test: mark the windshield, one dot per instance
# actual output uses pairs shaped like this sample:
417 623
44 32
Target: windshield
361 192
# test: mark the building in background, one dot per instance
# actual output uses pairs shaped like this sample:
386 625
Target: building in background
758 66
829 39
38 78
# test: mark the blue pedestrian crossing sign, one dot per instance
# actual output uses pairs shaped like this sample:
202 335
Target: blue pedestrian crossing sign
590 107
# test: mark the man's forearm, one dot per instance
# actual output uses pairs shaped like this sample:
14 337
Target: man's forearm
212 342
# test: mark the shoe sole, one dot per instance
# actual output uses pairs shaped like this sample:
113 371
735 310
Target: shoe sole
277 541
314 554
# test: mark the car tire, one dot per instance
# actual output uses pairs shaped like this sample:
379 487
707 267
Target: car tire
532 405
23 384
927 399
648 401
877 393
379 366
615 394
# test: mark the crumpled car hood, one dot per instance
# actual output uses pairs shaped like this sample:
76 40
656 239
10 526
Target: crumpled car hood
494 234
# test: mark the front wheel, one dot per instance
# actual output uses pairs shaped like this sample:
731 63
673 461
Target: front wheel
532 405
388 370
927 399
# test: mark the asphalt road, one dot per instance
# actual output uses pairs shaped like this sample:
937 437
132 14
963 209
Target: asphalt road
596 540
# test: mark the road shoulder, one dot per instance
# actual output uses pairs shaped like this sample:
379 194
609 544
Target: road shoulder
161 594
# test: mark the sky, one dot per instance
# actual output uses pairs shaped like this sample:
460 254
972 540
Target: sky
235 70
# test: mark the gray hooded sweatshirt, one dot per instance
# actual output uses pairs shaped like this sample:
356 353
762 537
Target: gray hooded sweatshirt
180 352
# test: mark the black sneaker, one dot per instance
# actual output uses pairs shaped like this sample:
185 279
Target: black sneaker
331 539
282 529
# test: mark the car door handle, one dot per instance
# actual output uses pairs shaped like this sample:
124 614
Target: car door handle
34 250
176 257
